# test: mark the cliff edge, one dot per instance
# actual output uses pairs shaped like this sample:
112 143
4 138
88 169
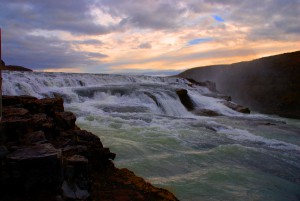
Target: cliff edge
45 156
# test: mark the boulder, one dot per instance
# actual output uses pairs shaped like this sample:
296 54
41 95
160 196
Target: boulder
35 165
237 107
185 99
65 120
72 192
205 112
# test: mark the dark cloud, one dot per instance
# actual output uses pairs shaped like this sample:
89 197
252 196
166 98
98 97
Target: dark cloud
89 42
39 53
145 14
66 15
96 55
145 46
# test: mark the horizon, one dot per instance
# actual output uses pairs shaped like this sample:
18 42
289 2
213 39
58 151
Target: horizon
144 37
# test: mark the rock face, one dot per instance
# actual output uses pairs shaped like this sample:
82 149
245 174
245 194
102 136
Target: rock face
269 85
45 156
185 99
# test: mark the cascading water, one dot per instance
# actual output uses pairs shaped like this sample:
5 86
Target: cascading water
232 156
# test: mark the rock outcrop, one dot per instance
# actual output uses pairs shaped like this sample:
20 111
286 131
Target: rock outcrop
185 99
213 92
45 156
12 67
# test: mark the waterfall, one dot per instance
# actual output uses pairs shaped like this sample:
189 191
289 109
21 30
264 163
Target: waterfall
156 94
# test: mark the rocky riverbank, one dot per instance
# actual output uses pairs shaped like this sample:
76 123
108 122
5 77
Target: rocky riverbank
45 156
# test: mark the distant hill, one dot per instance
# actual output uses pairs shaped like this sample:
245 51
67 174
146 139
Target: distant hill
12 67
270 84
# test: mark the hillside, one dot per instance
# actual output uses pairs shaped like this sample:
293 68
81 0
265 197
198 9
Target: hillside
12 67
270 84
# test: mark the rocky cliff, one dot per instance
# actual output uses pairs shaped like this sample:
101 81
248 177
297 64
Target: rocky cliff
269 85
45 156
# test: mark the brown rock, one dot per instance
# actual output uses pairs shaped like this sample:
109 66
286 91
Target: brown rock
205 112
16 100
237 107
45 155
14 112
65 120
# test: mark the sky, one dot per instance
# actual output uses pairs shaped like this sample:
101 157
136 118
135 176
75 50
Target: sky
144 36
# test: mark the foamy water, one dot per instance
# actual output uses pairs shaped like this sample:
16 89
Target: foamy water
231 157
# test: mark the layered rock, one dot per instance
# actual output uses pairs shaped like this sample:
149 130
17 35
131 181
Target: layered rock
45 156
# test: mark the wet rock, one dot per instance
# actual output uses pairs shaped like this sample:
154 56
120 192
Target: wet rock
237 107
208 84
72 191
206 112
185 99
44 156
219 96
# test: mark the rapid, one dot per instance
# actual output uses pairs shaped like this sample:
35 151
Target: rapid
232 156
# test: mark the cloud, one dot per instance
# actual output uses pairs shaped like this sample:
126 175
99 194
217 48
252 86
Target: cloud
105 34
145 46
89 42
67 15
145 14
38 52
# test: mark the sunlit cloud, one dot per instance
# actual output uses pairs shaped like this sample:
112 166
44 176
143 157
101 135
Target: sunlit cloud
111 36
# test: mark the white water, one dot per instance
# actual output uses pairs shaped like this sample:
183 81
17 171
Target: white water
231 157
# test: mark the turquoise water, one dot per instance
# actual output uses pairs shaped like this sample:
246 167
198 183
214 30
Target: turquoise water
246 162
